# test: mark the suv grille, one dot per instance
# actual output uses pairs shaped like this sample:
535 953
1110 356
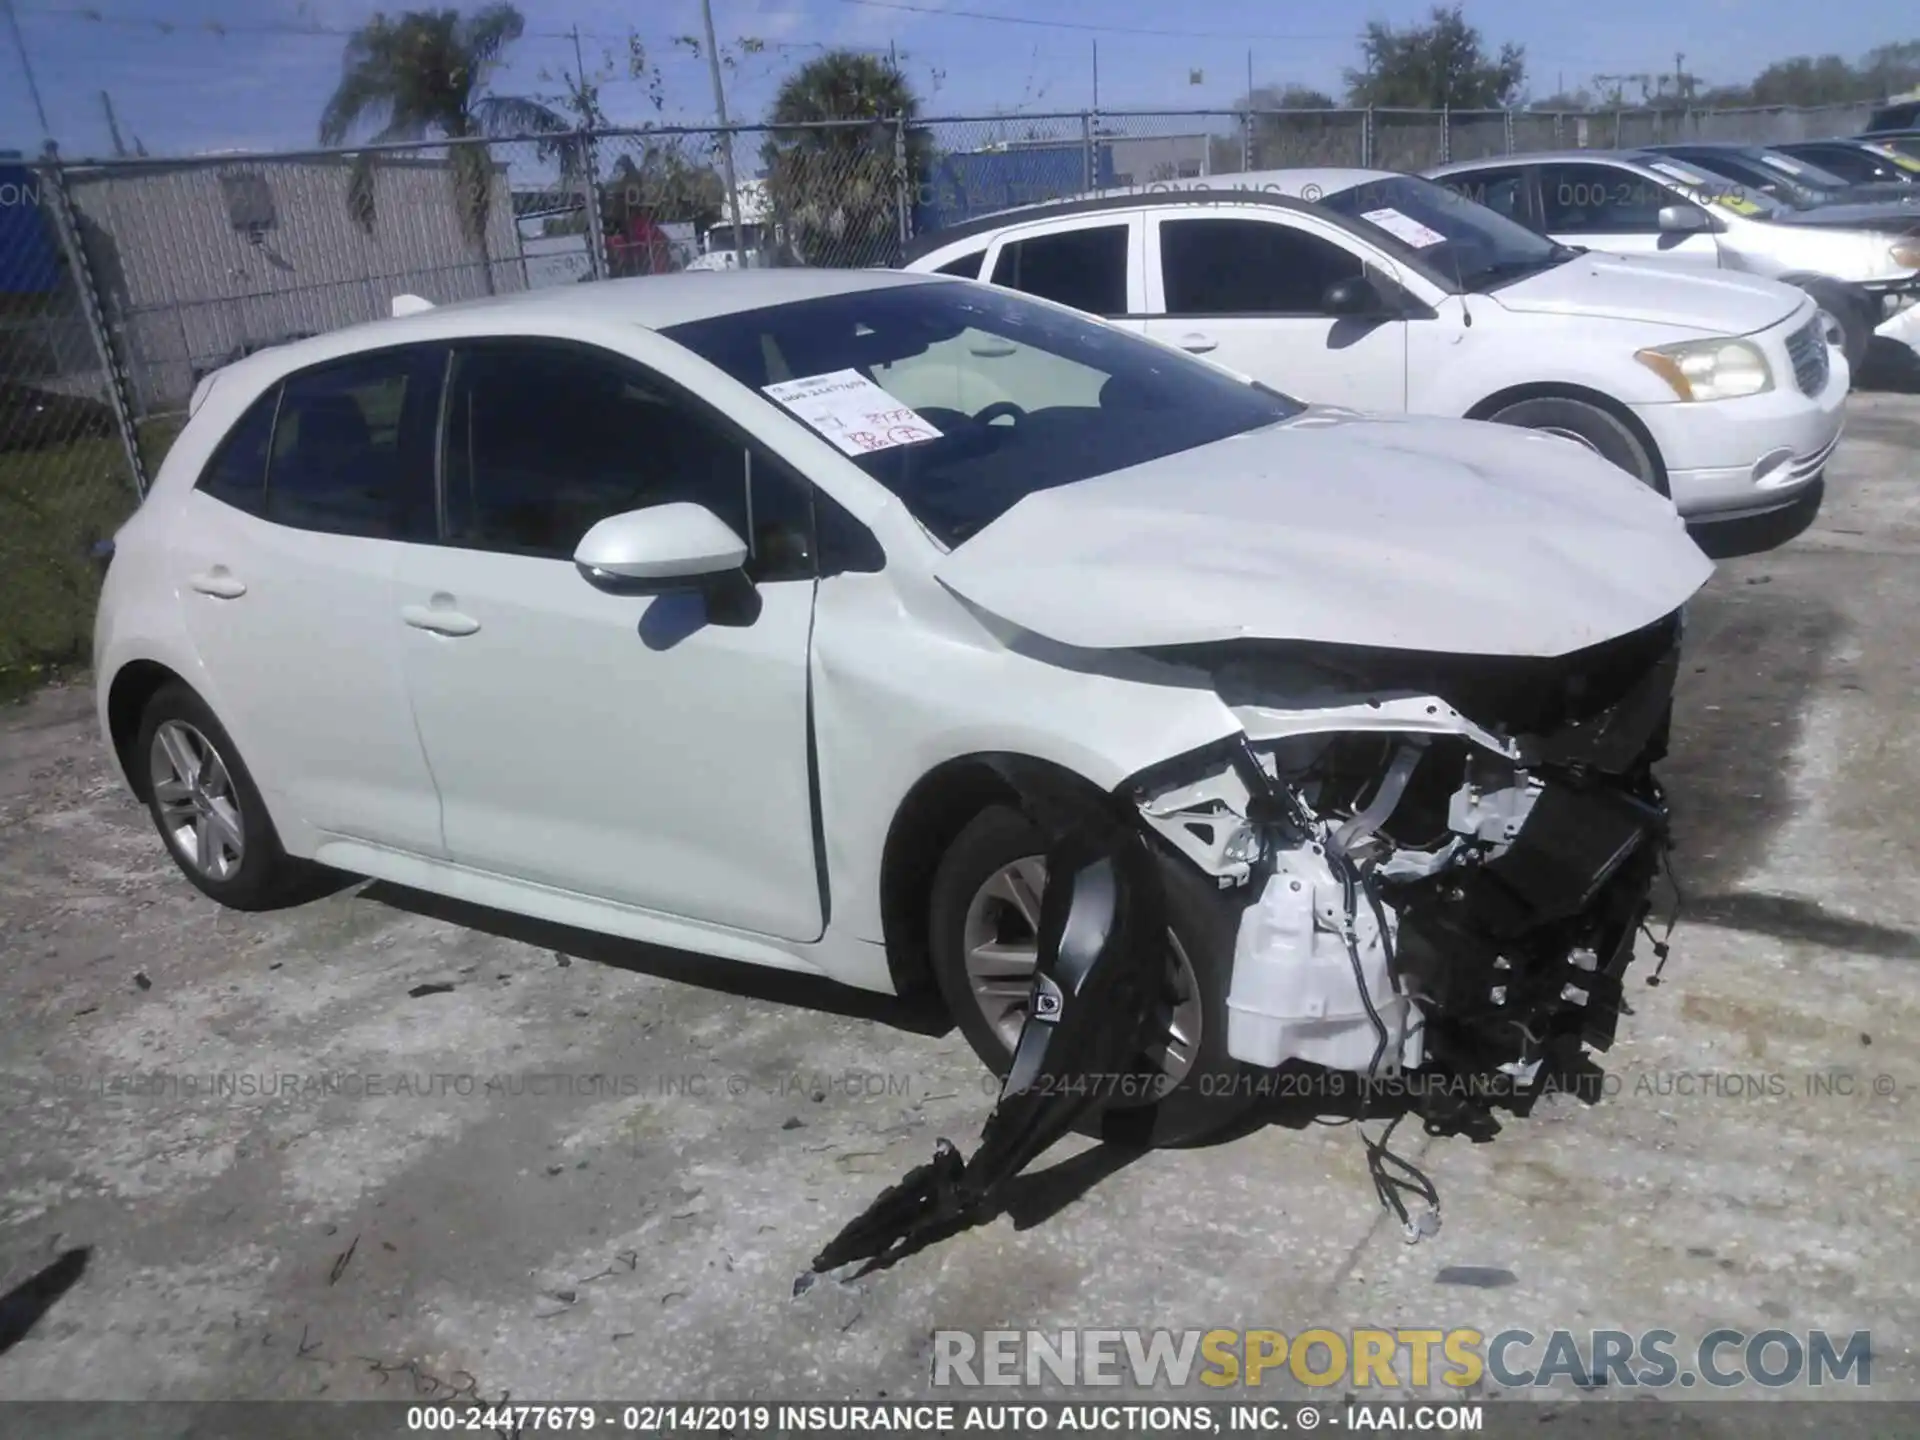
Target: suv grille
1807 348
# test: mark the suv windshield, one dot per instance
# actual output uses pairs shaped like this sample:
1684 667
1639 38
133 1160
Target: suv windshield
1791 182
962 399
1455 237
1707 187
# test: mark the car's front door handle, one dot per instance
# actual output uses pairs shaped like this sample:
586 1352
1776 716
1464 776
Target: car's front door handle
440 622
1198 344
218 583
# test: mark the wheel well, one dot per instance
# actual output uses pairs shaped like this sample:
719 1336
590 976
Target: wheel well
1561 390
127 699
939 806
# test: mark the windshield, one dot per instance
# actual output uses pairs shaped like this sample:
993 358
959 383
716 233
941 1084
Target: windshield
1725 192
1790 182
1446 232
962 399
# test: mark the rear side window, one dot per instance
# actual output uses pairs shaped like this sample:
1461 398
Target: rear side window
353 447
1085 268
967 266
237 473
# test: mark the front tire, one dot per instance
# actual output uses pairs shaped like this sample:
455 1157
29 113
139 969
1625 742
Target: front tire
984 916
206 807
1606 435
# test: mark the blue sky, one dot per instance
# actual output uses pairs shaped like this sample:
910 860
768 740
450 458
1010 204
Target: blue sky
189 76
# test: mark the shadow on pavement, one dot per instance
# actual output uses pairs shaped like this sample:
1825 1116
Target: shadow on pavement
1730 539
22 1306
729 977
1889 366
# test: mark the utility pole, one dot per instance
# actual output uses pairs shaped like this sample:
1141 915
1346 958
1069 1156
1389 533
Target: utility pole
1096 75
726 135
26 68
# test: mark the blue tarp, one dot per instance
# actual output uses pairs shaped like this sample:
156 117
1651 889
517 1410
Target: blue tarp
29 258
961 186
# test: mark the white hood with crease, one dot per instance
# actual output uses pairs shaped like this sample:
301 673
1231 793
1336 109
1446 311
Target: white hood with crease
1398 532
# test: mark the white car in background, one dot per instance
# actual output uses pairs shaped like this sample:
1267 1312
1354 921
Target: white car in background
1640 203
1386 292
764 614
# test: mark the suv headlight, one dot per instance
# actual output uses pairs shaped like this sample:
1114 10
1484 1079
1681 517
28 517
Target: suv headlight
1907 253
1709 369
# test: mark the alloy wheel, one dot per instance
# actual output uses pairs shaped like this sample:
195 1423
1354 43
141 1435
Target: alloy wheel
194 795
1001 942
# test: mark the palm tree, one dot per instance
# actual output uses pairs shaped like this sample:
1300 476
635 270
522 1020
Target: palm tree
840 190
424 74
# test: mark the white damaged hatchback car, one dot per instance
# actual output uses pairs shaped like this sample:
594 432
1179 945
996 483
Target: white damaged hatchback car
767 614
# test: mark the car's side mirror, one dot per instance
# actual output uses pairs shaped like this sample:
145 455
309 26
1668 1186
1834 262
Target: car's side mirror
1678 219
660 546
678 547
1356 296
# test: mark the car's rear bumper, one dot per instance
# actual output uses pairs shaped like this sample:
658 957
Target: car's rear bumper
1725 458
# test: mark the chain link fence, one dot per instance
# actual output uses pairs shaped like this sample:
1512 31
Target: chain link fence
124 283
65 480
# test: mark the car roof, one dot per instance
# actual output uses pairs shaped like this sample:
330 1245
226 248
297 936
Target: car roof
1629 154
650 302
655 302
1284 189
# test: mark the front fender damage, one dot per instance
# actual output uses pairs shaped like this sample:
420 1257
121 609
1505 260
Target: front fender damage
1101 951
1442 881
1441 863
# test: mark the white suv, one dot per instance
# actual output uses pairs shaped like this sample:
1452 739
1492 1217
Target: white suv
1644 204
1387 292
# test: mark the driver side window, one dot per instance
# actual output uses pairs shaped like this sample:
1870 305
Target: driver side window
1600 200
544 441
1249 267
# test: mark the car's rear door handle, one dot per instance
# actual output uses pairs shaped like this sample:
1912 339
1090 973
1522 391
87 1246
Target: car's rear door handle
440 622
218 583
1197 344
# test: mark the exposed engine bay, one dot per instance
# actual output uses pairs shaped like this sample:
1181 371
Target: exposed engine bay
1450 855
1445 861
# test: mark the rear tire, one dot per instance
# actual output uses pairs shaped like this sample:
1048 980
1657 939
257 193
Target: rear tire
208 810
1604 434
1210 1092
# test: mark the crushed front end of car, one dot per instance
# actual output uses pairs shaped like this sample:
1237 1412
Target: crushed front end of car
1447 857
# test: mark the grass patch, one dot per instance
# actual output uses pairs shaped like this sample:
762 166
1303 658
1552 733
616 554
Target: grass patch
54 504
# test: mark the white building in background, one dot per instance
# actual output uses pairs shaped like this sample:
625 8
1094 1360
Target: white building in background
198 259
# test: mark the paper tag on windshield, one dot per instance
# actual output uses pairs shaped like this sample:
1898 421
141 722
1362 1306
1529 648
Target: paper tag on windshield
1685 177
1404 227
852 412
